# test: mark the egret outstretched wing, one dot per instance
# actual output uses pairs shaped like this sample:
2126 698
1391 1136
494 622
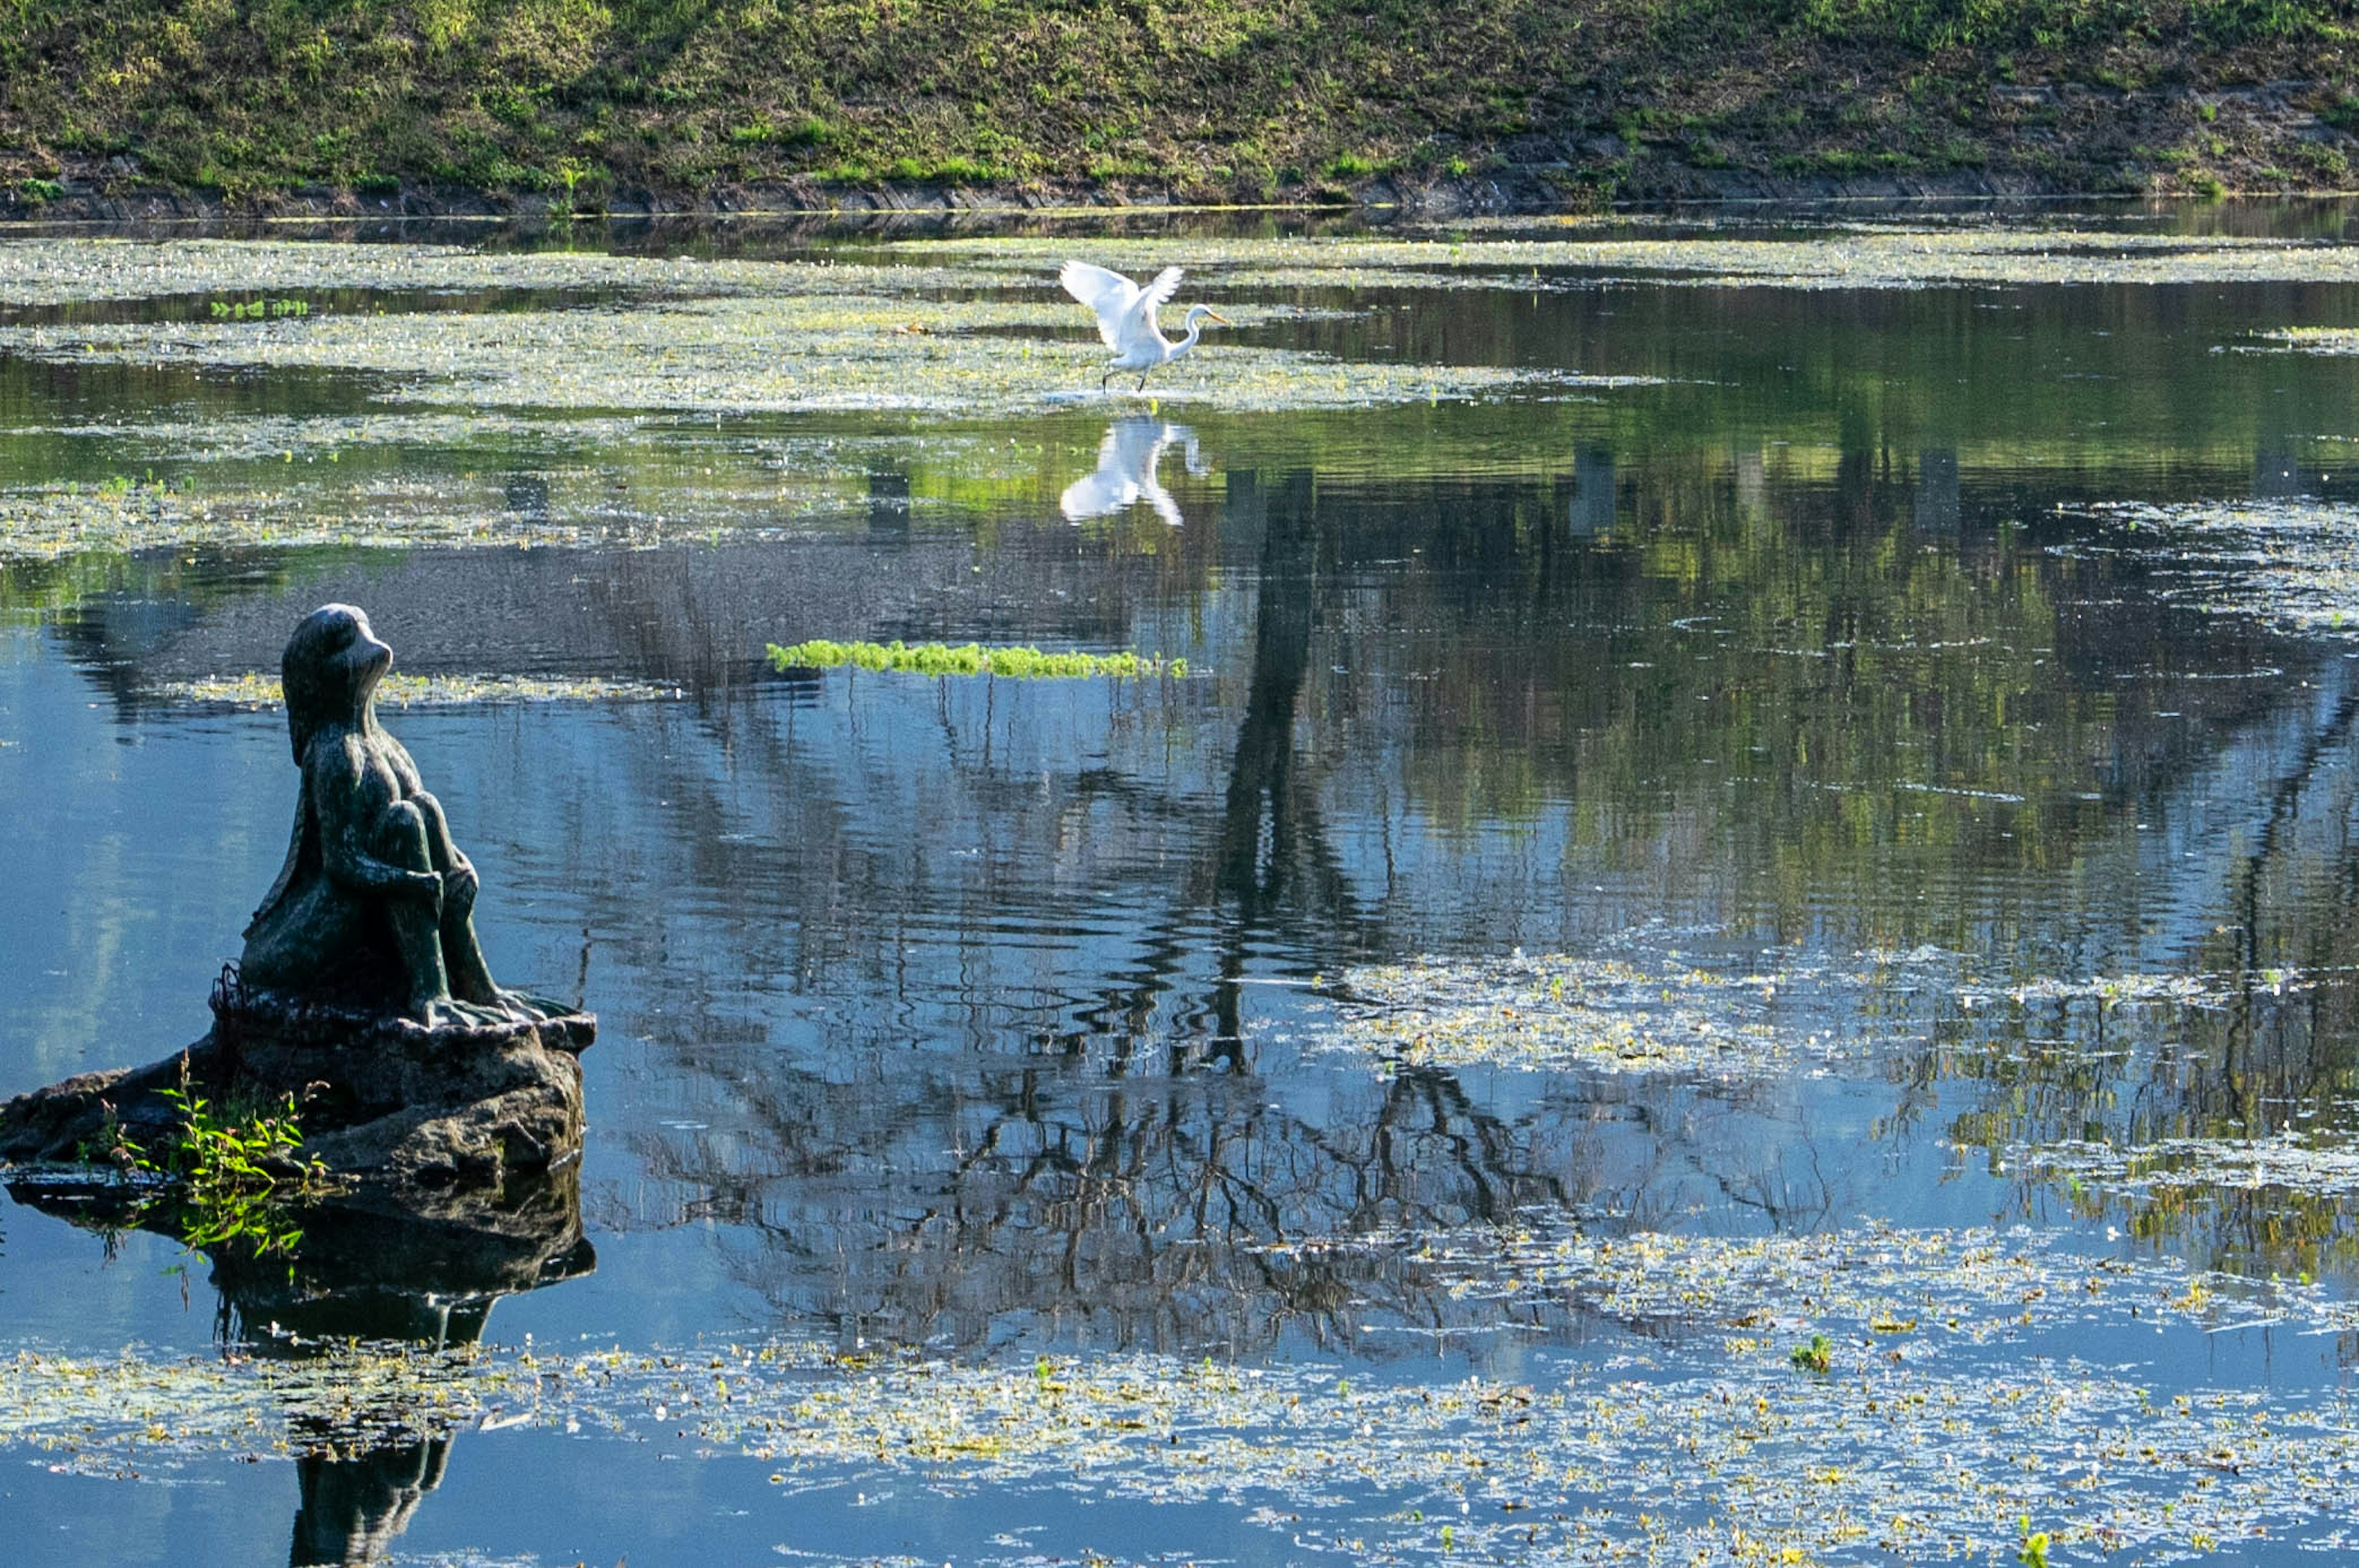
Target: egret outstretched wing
1159 292
1125 312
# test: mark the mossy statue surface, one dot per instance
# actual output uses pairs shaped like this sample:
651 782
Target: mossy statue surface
362 990
376 904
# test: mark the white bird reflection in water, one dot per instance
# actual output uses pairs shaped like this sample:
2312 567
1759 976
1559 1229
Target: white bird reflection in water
1126 472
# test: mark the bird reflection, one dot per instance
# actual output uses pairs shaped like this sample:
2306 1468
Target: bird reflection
1126 472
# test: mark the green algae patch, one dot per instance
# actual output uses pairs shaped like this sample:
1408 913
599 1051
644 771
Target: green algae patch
972 659
1648 1014
256 689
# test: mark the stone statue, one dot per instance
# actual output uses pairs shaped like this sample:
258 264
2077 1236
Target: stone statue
361 992
376 903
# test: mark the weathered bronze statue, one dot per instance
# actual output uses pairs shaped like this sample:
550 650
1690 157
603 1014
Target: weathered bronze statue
362 990
375 902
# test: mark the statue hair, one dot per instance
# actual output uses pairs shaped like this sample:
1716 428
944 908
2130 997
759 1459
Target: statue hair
312 678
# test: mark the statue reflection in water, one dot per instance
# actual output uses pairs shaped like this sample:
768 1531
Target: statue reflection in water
378 1273
1128 459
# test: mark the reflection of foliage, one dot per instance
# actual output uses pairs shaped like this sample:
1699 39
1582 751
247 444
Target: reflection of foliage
234 1173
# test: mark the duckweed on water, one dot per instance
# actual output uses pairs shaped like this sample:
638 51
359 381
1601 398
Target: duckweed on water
791 353
1848 258
256 689
972 659
1873 1282
1658 1015
1718 1453
2288 1160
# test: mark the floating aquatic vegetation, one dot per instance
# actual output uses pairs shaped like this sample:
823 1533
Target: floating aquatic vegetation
289 437
1608 1014
63 271
972 659
1851 258
2317 340
2288 1160
2150 989
255 689
2290 563
809 353
377 514
1717 1460
1874 1282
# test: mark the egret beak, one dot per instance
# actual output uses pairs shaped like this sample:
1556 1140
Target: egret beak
1217 316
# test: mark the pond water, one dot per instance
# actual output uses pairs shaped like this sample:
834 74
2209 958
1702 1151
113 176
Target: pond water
1737 944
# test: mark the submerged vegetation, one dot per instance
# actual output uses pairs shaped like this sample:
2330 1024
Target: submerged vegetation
972 659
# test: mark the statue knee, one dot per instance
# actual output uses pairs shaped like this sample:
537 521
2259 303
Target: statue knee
401 838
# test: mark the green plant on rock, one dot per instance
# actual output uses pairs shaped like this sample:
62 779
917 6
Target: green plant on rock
233 1175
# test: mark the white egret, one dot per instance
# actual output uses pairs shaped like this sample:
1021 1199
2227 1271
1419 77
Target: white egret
1128 459
1126 315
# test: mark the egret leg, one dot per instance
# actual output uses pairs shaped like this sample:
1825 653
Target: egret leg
1103 380
1142 381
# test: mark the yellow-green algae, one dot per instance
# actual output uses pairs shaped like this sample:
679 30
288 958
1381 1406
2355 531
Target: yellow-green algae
59 271
761 353
1652 1015
1883 257
1716 1452
256 689
972 659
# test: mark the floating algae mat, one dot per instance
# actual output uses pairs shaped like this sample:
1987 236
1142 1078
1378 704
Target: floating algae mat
798 354
1920 1291
2292 563
68 271
972 659
52 522
1848 258
1723 1451
257 690
2288 1160
1659 1014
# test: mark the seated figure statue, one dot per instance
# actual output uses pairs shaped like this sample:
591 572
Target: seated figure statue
376 904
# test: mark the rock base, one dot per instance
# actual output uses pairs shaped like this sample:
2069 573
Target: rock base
479 1099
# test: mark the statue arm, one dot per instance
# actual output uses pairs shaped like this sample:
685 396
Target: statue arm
347 805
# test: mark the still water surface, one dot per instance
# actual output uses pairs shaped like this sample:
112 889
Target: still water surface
1835 648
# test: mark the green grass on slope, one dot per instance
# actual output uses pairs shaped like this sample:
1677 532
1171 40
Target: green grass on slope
1212 99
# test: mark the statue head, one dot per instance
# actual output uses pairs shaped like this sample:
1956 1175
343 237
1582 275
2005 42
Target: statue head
330 671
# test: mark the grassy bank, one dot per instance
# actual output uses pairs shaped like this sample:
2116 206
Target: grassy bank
619 103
